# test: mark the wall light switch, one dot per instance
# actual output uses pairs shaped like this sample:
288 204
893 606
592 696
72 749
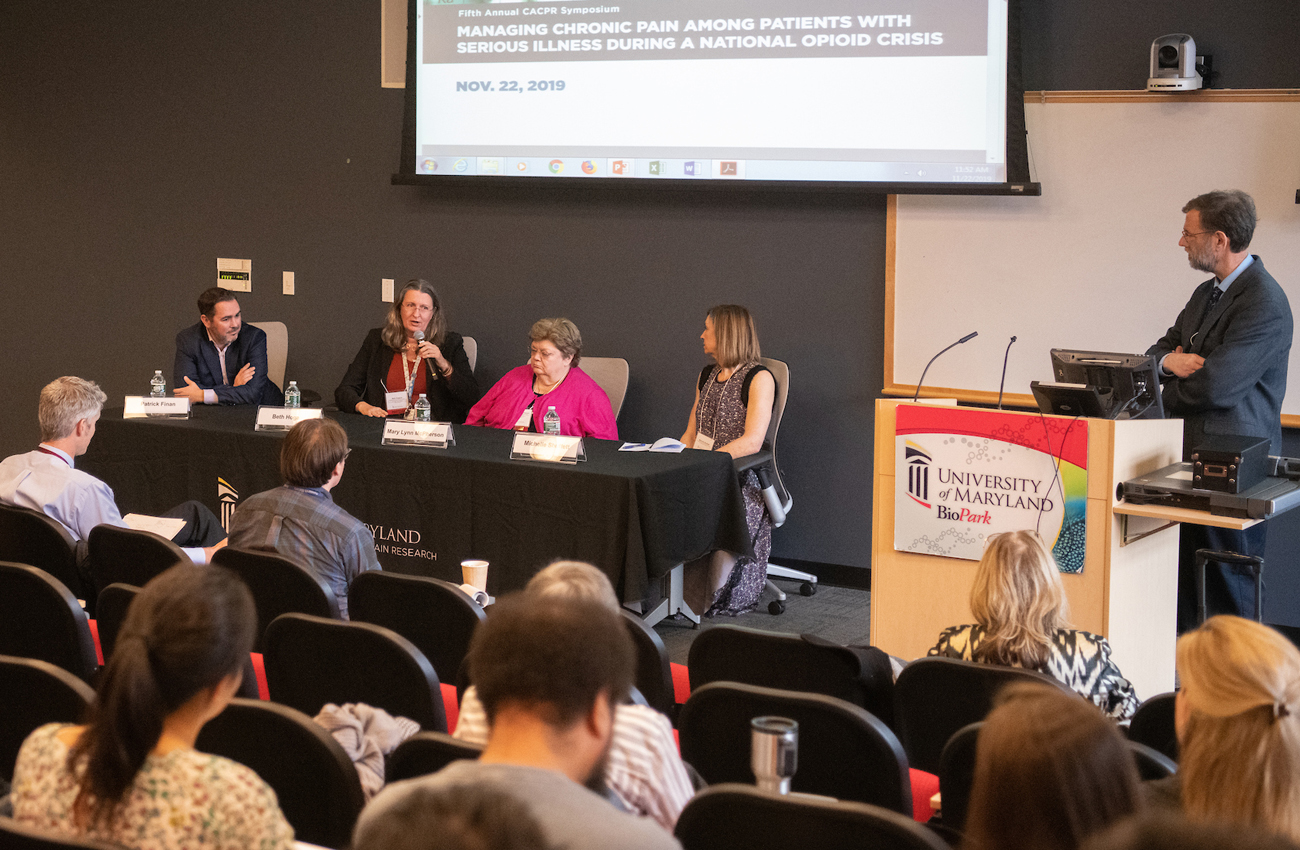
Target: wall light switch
288 283
386 289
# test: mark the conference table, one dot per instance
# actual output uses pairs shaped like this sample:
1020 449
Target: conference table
636 515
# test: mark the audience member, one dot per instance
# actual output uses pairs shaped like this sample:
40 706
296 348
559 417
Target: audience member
456 817
644 771
1020 621
300 520
550 378
131 775
48 481
218 360
1238 730
1166 831
549 672
1050 771
393 368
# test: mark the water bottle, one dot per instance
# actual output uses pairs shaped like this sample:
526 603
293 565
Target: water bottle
551 422
157 385
293 395
423 411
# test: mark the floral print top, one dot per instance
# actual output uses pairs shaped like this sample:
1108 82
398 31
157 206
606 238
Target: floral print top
180 800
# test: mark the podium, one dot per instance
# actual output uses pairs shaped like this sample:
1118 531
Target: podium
1128 588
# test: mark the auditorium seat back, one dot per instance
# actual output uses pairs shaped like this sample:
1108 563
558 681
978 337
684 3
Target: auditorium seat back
654 677
35 693
40 618
129 556
279 586
1153 725
427 752
17 836
30 537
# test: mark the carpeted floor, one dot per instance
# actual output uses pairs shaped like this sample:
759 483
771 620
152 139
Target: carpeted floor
838 614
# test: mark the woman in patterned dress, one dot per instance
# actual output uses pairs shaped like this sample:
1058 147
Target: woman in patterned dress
131 775
1020 621
733 405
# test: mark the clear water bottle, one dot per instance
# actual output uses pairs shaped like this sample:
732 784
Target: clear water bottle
157 385
551 421
423 411
293 395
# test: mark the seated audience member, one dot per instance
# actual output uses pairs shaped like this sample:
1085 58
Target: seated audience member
1050 771
1165 831
459 817
644 770
218 360
1020 621
1238 729
299 520
550 673
733 406
131 775
550 378
392 369
48 481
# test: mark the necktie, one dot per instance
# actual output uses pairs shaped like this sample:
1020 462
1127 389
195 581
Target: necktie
1215 294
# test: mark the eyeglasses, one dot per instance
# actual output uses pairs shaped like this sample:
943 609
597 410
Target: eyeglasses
1187 235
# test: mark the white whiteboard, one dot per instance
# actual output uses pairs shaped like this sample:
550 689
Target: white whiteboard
1093 263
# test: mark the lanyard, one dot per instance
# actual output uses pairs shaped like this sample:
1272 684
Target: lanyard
409 374
52 454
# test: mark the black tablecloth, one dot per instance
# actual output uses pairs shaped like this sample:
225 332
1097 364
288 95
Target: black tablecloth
634 514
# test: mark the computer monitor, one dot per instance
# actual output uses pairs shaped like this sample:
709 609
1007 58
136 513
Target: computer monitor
1126 386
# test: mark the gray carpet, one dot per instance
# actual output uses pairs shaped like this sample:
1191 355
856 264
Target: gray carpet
838 614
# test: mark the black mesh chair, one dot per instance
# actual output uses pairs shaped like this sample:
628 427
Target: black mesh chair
40 618
36 693
30 537
311 661
279 586
935 697
844 752
740 817
427 752
794 663
129 556
434 615
313 778
16 836
1153 725
654 675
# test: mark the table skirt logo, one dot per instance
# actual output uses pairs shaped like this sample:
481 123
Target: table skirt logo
402 542
918 473
227 497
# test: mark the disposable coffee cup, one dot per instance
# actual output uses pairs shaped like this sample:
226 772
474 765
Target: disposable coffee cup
774 753
474 573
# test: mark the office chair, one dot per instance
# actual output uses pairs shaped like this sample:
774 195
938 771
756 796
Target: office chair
611 373
30 537
471 351
1153 725
39 618
279 586
427 752
37 693
277 350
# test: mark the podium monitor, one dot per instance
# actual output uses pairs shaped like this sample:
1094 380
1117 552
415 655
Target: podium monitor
1125 386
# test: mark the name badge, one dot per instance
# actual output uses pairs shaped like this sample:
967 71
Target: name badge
399 432
551 448
284 418
395 401
140 406
703 443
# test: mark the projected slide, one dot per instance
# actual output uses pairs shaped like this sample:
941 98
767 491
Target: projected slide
805 90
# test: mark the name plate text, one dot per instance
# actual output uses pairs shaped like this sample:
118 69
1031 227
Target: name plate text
284 418
141 406
400 432
547 447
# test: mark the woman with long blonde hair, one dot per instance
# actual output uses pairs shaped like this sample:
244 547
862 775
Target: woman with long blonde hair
1021 620
1238 720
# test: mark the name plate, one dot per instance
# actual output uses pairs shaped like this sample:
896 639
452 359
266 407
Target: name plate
400 432
547 447
284 418
141 406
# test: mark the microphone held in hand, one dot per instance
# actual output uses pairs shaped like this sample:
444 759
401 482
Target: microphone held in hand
1003 382
419 338
967 338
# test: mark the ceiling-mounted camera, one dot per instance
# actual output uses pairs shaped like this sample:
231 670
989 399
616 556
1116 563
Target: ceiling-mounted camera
1175 65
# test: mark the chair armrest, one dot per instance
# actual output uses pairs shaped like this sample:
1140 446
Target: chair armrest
760 458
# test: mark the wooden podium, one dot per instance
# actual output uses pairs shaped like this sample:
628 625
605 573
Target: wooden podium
1127 590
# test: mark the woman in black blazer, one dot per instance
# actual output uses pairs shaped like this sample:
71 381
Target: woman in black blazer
432 362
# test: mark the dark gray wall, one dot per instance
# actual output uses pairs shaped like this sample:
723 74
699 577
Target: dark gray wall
139 141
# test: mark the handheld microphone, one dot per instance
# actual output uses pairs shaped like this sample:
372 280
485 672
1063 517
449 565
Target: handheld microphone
967 338
1003 382
419 338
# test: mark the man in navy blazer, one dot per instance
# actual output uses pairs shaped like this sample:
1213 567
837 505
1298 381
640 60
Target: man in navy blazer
1223 367
218 360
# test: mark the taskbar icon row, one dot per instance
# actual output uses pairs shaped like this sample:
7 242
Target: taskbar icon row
681 169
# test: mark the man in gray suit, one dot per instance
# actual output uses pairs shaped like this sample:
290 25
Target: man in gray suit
1223 367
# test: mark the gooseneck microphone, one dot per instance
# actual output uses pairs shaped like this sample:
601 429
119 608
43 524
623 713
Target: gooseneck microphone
1003 382
967 338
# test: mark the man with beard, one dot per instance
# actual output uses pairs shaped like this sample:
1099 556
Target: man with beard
1223 371
549 673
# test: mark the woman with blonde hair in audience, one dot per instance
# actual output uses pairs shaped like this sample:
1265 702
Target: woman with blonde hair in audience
1238 720
131 775
1020 613
1050 771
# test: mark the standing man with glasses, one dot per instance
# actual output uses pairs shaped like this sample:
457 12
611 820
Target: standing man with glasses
1223 371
